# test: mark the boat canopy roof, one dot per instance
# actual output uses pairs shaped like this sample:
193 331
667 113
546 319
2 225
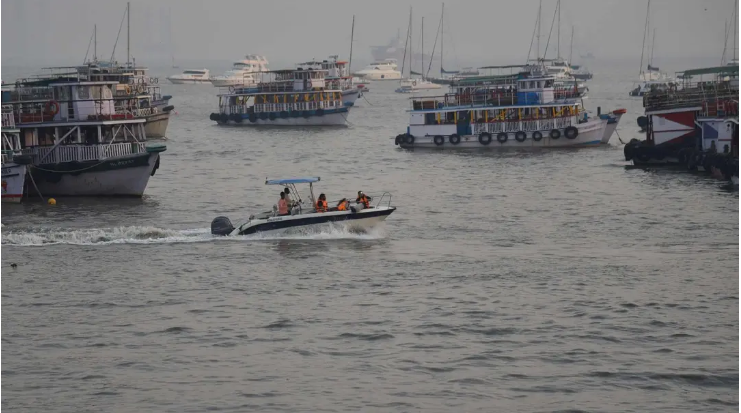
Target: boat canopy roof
287 181
718 70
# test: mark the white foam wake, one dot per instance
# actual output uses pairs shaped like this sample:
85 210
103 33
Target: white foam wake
153 235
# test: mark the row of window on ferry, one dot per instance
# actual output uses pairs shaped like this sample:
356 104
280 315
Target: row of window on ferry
289 98
494 115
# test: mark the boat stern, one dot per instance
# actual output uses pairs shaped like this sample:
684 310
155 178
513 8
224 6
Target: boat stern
613 118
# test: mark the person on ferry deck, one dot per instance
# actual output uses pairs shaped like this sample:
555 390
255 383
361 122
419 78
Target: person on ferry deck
321 203
282 204
363 199
342 205
289 201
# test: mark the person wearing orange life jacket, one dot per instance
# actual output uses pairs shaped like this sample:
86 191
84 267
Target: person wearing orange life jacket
282 204
342 205
363 199
321 203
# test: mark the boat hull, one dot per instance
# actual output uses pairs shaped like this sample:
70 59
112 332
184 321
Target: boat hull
591 133
611 126
360 221
13 181
349 96
156 126
188 81
226 82
120 176
381 75
328 119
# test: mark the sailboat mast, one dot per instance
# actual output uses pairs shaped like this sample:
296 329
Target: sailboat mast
645 31
411 38
442 39
95 43
423 49
559 30
128 33
571 47
540 9
653 47
352 36
735 27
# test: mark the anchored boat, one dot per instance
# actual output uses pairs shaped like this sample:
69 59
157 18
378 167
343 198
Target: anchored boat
14 163
300 215
523 110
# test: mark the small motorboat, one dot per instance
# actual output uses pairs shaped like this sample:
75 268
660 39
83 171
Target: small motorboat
304 214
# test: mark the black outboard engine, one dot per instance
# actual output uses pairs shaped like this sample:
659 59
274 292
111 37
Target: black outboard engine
221 226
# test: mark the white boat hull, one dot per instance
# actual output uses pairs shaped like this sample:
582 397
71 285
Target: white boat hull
349 96
226 82
120 180
13 180
363 220
381 75
175 81
610 128
591 133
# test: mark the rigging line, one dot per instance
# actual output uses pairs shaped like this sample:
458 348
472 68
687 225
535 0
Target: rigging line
433 47
404 60
118 35
88 48
532 38
549 35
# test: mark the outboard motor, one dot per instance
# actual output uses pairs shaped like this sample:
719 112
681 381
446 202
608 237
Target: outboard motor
221 226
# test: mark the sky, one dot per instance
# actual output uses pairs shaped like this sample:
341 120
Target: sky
477 32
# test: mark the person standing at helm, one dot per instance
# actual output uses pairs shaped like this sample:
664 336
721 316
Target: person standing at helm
321 203
288 197
282 204
363 199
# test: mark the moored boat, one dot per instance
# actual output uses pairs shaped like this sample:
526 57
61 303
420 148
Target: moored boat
190 76
14 163
242 73
300 215
524 110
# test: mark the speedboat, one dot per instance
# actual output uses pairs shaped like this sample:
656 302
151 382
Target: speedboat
242 72
304 214
384 70
190 76
412 85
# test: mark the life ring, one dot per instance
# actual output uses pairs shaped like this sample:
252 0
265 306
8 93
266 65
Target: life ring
253 117
140 80
409 139
236 117
231 89
439 140
520 136
571 132
555 134
132 81
414 83
224 118
214 116
643 154
399 139
127 89
502 137
151 80
272 116
140 88
156 80
52 107
537 136
454 139
485 138
320 112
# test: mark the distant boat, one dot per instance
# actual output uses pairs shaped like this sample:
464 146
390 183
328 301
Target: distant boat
190 76
588 55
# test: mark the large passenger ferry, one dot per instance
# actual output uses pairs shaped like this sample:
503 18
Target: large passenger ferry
80 138
523 110
295 97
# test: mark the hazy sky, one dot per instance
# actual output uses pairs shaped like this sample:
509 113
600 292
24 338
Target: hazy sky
47 32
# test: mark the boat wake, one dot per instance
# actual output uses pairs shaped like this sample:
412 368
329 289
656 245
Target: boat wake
153 235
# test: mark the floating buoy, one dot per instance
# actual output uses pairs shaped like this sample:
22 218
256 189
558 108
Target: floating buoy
51 201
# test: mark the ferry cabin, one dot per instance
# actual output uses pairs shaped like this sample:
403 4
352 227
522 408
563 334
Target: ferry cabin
529 104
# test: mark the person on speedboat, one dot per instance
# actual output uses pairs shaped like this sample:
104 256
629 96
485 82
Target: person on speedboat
321 203
363 199
282 204
343 204
287 192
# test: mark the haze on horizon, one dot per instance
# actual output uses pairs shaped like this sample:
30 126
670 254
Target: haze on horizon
49 32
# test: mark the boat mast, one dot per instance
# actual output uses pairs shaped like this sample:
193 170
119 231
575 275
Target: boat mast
352 35
442 39
95 43
411 38
559 30
645 31
571 47
423 49
735 27
653 47
540 9
128 33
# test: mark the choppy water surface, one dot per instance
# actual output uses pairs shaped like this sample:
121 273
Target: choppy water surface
514 281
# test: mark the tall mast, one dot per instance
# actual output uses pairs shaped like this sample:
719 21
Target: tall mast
442 38
540 8
352 35
559 30
423 49
735 27
645 31
128 33
571 48
95 43
653 47
410 42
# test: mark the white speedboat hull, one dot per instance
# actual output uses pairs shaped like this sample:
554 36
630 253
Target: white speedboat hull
380 75
226 82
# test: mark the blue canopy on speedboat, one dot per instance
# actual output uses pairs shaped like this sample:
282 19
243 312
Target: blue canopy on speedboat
291 181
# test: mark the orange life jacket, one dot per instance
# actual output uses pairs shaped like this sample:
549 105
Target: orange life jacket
321 206
342 206
364 200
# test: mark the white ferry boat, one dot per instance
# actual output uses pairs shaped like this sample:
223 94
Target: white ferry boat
82 139
190 76
294 97
383 70
242 72
14 163
317 212
524 110
337 77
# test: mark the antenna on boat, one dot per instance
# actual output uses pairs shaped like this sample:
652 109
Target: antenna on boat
352 35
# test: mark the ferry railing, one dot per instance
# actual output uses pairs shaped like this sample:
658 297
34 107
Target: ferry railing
81 153
8 120
523 125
